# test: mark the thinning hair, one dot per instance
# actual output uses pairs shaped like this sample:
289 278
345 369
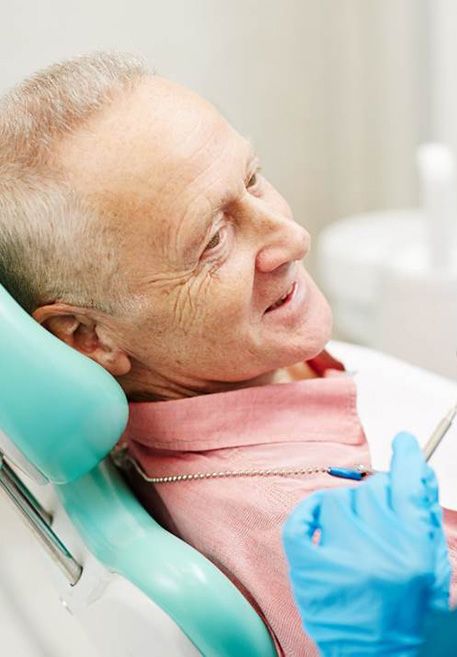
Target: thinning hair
53 245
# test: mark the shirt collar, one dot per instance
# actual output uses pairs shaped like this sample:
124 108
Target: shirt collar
322 408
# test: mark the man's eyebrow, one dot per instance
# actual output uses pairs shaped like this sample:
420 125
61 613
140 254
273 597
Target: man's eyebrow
252 157
252 163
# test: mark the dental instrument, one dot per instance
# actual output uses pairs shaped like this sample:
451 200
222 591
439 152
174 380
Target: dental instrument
439 433
428 450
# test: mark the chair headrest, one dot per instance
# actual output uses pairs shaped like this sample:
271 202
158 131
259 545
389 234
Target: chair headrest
61 410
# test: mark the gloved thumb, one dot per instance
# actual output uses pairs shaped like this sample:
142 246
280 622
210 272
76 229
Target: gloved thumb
301 526
409 474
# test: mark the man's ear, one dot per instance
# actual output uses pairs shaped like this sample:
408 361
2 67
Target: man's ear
78 328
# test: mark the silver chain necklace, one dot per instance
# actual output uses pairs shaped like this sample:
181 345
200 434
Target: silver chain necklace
123 460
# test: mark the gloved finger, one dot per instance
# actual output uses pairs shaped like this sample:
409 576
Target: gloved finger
439 599
431 486
440 593
301 525
336 515
407 473
371 499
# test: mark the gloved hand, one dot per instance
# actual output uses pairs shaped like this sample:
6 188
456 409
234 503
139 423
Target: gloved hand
365 583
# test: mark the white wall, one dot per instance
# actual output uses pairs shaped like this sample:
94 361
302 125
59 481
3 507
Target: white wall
331 91
442 16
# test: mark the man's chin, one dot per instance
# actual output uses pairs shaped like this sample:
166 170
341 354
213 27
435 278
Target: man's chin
312 340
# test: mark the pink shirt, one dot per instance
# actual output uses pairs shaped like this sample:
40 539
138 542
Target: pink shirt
237 522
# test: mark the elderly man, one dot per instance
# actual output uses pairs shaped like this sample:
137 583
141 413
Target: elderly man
135 226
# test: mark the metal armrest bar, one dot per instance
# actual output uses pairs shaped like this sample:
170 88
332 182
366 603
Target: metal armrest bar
38 520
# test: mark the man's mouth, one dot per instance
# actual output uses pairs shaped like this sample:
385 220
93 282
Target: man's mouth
284 299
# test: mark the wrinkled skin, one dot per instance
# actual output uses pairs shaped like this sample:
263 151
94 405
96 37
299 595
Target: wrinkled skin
207 245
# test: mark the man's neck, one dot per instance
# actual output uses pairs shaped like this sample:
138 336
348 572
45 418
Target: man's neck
139 389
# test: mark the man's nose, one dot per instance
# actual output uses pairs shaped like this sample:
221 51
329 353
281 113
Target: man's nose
283 241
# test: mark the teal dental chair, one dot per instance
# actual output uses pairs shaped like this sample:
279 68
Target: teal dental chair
60 417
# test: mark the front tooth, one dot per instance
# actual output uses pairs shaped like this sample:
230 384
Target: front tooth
287 293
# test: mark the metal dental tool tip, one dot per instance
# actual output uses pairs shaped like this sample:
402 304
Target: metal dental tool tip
439 433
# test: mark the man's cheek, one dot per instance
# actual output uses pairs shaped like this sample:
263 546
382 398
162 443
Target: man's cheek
186 310
222 325
233 300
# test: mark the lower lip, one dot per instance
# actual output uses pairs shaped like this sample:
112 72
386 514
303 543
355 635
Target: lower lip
292 307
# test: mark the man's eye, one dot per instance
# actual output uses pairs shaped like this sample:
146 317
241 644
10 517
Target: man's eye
214 241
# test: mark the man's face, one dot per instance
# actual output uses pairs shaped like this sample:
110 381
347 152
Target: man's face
208 245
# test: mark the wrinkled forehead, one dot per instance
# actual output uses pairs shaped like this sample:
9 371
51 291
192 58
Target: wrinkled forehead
155 146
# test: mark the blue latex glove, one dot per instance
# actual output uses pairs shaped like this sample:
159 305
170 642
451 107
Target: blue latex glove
380 562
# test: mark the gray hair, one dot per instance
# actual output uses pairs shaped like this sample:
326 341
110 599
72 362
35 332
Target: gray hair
52 244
